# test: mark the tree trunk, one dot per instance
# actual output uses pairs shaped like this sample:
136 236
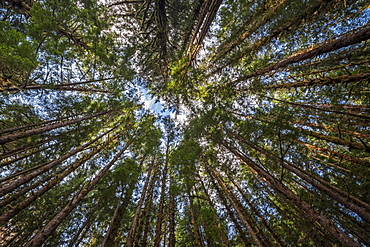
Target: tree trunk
26 202
278 240
135 220
322 81
194 223
299 105
332 191
336 140
6 189
238 208
340 155
160 215
65 86
15 136
347 40
50 227
110 236
26 155
172 210
231 214
224 238
316 216
77 235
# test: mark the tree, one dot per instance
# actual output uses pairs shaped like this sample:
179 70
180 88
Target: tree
184 123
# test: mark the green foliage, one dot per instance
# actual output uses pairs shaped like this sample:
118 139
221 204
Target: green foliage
17 57
265 111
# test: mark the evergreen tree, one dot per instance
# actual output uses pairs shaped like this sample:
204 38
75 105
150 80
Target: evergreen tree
273 150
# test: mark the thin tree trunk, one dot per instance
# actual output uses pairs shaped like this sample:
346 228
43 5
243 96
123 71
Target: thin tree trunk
30 199
194 223
238 208
50 227
336 140
110 236
347 40
57 86
277 238
77 235
15 184
26 155
332 191
225 240
160 215
300 105
316 216
231 214
143 228
24 148
135 220
4 131
18 195
15 136
172 210
322 81
340 155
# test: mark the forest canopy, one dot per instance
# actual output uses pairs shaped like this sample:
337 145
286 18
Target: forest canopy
185 123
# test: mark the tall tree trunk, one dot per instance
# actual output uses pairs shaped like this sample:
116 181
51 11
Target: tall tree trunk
25 156
196 230
30 199
160 215
238 207
340 155
110 236
301 105
231 214
332 191
350 144
224 238
50 227
78 233
135 220
144 226
57 86
4 131
278 240
9 187
172 210
347 40
316 216
15 136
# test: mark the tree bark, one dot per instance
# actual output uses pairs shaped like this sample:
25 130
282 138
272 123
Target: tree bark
347 40
110 236
332 191
194 223
9 187
224 238
277 238
135 220
30 199
15 136
50 227
160 215
172 210
238 208
322 81
277 185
